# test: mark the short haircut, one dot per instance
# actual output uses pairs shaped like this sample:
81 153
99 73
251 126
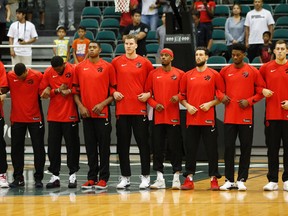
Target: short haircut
130 36
82 27
268 33
204 49
21 10
57 61
94 41
239 46
19 69
133 12
61 27
281 42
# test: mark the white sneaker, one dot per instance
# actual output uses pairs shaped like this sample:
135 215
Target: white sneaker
3 181
145 182
271 186
124 182
285 186
72 28
241 186
227 186
176 184
159 184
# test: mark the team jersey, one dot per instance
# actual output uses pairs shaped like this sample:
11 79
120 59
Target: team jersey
163 85
93 81
24 94
198 88
241 83
131 77
276 78
3 83
61 108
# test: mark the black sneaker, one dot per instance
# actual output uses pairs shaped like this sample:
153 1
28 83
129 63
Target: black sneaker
38 184
54 182
17 183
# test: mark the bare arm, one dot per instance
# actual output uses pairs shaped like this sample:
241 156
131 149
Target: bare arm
247 32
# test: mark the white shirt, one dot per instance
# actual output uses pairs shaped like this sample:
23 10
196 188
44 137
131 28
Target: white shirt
258 22
146 7
24 31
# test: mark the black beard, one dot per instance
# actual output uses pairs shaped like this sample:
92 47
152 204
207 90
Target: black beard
200 64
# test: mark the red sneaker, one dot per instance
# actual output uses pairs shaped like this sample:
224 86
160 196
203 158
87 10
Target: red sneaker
188 184
101 185
214 184
88 185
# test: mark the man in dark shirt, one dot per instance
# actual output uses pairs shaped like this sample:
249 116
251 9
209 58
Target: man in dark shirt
203 35
138 29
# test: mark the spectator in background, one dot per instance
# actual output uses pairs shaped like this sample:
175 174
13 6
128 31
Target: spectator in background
138 29
21 32
234 28
35 6
206 10
266 50
257 21
203 35
63 45
161 32
14 5
4 17
149 14
126 18
80 46
70 8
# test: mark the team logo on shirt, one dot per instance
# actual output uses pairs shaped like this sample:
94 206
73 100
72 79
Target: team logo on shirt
173 77
286 70
68 75
174 120
138 65
208 121
36 118
207 77
72 117
245 74
30 81
99 69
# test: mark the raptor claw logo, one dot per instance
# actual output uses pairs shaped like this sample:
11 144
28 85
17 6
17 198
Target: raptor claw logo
138 65
207 77
245 74
68 75
100 69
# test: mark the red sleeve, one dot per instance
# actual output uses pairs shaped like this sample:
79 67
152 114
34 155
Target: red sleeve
259 85
220 86
3 77
183 87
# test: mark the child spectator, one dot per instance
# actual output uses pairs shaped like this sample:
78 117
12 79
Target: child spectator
80 46
266 50
63 45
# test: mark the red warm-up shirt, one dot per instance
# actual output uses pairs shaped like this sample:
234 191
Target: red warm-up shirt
3 83
163 86
93 82
198 88
25 97
131 78
241 83
276 78
61 108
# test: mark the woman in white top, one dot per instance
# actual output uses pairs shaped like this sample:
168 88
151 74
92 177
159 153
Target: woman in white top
234 28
